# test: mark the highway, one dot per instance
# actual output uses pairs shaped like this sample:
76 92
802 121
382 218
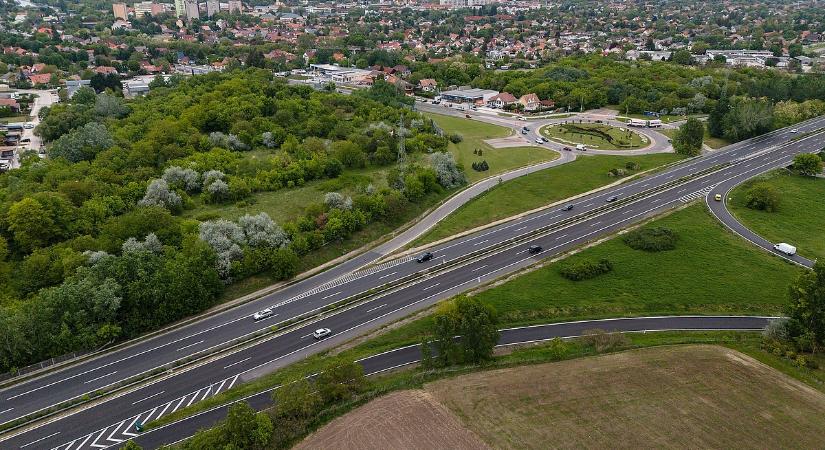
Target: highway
404 356
591 218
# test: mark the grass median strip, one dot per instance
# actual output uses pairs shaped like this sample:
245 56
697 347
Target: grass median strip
541 188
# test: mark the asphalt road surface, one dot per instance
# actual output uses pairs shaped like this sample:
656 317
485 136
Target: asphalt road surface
187 427
589 220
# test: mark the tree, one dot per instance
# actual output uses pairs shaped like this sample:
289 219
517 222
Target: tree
158 194
474 322
447 171
82 144
688 140
807 309
763 197
716 119
297 400
682 56
807 164
340 380
748 118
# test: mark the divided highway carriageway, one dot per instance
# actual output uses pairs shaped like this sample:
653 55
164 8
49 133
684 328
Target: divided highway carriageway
354 303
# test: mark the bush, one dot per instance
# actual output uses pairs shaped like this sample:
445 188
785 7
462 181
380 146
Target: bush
762 197
654 239
456 138
603 341
585 270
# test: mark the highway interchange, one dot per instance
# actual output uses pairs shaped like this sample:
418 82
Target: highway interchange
498 250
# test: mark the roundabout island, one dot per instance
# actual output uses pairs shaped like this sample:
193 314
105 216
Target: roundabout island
598 136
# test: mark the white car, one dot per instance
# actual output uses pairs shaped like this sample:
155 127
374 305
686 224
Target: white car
539 141
28 125
262 314
321 333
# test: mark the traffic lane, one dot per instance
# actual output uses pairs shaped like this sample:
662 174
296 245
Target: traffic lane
165 391
220 338
404 356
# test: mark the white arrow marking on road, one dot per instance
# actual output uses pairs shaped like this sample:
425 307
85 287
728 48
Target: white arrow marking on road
117 428
126 432
95 444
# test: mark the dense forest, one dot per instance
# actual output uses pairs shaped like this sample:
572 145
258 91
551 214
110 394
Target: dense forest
94 243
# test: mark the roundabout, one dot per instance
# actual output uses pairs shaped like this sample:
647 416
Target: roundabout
597 136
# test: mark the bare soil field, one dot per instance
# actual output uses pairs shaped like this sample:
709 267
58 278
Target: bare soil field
400 420
666 397
673 397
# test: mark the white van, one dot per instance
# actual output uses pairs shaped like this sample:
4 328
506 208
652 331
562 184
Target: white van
787 249
581 147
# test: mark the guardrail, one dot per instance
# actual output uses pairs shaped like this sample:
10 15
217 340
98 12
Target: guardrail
286 326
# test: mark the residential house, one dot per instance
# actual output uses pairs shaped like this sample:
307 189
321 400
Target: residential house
428 85
530 102
501 100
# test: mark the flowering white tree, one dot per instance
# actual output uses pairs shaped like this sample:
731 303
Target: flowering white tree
334 200
446 170
150 244
229 141
261 231
218 190
186 179
158 194
211 176
226 238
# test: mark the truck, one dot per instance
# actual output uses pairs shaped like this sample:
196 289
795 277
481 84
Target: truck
637 122
787 249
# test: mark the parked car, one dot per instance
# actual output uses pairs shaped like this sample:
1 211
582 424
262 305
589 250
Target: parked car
534 249
262 314
424 257
567 207
28 125
321 333
612 198
787 249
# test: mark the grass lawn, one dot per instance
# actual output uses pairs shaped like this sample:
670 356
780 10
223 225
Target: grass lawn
622 140
539 189
714 142
15 119
801 215
602 402
710 271
500 160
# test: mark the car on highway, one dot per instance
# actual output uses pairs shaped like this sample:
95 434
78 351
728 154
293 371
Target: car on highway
544 139
539 141
522 118
787 249
525 128
567 207
424 257
534 249
523 131
718 197
262 314
321 333
612 198
567 149
794 130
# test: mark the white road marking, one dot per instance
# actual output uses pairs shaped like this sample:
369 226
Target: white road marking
387 275
94 443
233 382
519 229
481 242
126 432
35 442
191 400
479 268
190 345
377 307
430 287
6 410
330 295
164 409
113 439
102 376
237 362
147 398
595 224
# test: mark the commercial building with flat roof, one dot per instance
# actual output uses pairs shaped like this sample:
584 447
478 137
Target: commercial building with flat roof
468 95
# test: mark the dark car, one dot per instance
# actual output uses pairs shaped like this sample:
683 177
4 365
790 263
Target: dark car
523 131
568 149
598 121
612 198
534 249
544 139
467 116
425 257
567 207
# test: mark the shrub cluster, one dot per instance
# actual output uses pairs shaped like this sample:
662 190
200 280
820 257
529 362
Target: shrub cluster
762 197
585 270
655 239
481 166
